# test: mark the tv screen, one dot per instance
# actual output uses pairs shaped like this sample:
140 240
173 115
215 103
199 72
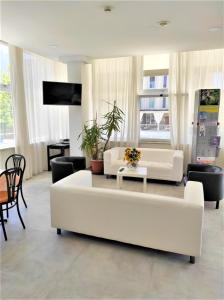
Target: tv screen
61 93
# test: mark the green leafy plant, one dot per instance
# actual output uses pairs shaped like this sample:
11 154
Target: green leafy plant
95 137
91 138
114 119
6 111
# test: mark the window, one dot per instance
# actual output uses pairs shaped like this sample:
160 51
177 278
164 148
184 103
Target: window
154 118
6 110
155 82
154 103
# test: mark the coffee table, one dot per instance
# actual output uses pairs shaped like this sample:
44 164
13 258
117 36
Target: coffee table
139 172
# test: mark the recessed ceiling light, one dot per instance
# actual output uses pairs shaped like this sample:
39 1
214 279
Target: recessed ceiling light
164 23
107 9
214 29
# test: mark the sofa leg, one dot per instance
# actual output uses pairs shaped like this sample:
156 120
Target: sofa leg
217 205
192 259
58 231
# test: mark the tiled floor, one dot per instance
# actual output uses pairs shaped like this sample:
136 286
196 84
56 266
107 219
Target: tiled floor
36 263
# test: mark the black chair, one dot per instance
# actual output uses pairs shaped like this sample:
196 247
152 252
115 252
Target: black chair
9 196
65 166
212 178
17 161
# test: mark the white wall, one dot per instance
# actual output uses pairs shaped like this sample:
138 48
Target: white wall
156 61
75 112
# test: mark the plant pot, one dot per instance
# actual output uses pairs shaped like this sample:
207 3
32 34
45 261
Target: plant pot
97 166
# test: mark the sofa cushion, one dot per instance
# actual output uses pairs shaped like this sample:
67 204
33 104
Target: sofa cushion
157 155
155 165
119 162
156 169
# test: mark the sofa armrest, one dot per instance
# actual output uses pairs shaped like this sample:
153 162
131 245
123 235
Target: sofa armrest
193 192
178 161
110 154
108 157
79 179
178 155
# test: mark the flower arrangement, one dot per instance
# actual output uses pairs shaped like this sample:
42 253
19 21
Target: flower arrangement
132 157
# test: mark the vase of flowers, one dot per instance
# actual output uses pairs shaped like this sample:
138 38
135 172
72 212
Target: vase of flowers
132 157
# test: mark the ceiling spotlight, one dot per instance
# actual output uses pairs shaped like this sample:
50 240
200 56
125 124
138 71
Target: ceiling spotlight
107 9
163 23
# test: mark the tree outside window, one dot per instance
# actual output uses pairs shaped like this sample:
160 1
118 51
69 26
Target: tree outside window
6 109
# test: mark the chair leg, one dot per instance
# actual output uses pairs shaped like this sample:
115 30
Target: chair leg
3 224
7 211
192 259
217 205
17 205
21 190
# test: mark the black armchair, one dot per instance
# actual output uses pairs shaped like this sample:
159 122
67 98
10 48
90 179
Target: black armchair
65 166
212 178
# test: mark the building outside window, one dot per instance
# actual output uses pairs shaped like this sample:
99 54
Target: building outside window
6 109
154 103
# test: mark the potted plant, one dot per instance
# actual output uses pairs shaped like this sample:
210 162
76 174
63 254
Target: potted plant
95 137
91 145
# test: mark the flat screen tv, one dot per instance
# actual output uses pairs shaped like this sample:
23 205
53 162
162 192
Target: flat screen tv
61 93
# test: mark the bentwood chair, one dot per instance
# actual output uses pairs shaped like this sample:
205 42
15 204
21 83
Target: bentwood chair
9 192
17 161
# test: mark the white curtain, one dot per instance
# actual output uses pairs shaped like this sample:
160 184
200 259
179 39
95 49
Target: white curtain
36 125
47 124
19 106
190 71
117 79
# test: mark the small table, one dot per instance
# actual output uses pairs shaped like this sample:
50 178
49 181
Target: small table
139 172
59 146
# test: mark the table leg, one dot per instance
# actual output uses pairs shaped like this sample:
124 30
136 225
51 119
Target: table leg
145 184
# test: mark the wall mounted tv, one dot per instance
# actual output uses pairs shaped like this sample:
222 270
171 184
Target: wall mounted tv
61 93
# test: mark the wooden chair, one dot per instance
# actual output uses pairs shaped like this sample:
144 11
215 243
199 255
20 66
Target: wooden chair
17 161
9 193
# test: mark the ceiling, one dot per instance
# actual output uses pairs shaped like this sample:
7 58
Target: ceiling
82 28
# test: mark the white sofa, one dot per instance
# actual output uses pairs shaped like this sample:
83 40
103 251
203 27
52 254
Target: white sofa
163 164
154 221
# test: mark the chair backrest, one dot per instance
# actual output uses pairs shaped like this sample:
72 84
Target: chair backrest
203 168
16 161
61 167
13 180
